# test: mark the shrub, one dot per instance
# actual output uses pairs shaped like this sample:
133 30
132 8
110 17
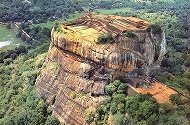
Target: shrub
57 26
115 87
130 34
52 120
119 119
175 98
105 38
164 108
90 114
156 29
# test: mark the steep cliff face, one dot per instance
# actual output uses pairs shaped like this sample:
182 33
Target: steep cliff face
79 65
68 84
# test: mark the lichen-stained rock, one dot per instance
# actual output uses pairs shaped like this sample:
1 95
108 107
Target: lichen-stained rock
71 82
79 65
133 47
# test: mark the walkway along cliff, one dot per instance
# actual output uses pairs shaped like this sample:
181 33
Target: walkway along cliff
88 53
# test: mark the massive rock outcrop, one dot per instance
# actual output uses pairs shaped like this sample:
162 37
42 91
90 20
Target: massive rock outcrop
88 53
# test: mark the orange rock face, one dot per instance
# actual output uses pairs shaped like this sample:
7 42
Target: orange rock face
79 66
68 81
132 47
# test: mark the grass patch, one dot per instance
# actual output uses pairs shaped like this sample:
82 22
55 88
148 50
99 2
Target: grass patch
9 35
48 25
75 16
112 11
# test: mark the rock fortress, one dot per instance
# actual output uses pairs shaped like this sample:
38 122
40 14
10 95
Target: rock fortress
88 53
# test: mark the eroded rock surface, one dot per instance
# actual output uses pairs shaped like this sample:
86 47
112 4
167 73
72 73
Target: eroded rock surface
78 68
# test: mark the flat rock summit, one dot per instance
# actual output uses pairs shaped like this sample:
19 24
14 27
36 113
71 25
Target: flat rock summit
88 53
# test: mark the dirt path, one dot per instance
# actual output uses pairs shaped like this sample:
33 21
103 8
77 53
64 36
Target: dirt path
25 33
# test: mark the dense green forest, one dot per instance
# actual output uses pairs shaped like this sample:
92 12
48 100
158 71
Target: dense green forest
19 67
117 109
20 104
